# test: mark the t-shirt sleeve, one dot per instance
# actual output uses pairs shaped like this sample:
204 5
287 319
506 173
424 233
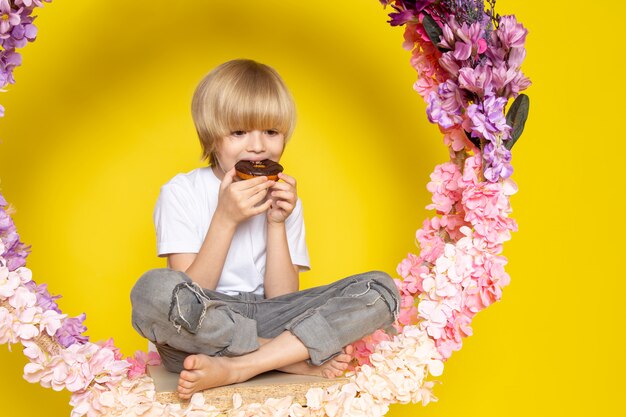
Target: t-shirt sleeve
294 226
175 230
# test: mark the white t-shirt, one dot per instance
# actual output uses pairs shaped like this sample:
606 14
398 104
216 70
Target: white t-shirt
182 217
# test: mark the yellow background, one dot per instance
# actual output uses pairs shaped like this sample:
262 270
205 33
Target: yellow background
99 119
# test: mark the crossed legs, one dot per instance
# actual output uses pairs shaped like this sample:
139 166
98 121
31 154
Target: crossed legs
285 353
223 331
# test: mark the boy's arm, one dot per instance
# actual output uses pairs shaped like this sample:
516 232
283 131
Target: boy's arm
281 275
237 202
205 267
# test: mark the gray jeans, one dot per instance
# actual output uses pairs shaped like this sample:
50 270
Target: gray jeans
182 318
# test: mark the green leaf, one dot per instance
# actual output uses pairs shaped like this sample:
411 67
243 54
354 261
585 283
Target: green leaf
516 118
433 31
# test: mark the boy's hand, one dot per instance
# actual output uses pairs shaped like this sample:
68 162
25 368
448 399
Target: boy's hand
241 200
283 196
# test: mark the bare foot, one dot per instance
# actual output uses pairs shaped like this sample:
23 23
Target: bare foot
204 372
331 369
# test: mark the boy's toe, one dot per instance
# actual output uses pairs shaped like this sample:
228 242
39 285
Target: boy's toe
343 358
185 384
191 362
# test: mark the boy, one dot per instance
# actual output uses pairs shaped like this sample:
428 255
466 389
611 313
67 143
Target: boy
228 308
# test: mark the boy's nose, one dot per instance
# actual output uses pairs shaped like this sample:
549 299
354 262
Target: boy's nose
255 144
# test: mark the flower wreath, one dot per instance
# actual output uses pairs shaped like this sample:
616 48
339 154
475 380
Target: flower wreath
468 62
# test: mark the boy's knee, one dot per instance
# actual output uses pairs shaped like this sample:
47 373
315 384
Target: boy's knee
383 279
386 286
153 290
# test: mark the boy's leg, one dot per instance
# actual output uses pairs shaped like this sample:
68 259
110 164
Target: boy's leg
203 372
179 317
327 318
333 368
312 324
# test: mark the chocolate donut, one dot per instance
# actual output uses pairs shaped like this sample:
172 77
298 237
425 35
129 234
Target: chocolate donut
250 169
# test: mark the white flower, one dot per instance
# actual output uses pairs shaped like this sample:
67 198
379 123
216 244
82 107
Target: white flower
9 281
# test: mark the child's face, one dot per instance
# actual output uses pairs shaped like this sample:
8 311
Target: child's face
252 145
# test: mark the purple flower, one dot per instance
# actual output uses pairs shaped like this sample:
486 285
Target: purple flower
8 17
9 59
462 51
450 64
444 106
486 119
20 36
511 33
16 29
495 53
44 299
516 57
508 82
517 84
71 331
477 80
467 11
498 162
448 39
406 11
15 252
402 17
29 3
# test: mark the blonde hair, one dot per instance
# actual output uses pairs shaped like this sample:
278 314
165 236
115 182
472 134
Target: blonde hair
240 95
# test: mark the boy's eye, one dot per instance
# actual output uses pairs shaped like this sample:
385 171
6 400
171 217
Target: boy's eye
238 132
271 132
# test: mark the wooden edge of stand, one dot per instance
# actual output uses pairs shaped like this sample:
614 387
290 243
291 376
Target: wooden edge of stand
222 397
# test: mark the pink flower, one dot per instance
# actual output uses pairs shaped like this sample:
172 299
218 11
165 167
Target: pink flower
435 315
487 208
22 298
408 311
411 285
430 241
365 347
454 264
140 361
425 65
452 223
76 367
471 172
105 367
409 266
444 187
110 344
6 327
9 282
451 340
439 286
456 139
425 86
51 321
485 287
